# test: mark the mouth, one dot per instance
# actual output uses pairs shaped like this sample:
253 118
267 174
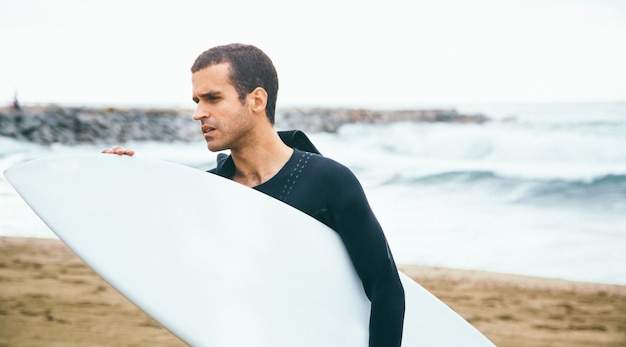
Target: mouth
207 129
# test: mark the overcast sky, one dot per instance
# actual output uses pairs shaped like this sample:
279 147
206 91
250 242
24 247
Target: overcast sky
350 53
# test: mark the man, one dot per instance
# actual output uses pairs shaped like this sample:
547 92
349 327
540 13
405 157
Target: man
235 88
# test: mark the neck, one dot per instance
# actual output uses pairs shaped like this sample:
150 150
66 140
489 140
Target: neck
258 162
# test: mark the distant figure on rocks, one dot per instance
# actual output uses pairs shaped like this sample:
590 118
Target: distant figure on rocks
16 104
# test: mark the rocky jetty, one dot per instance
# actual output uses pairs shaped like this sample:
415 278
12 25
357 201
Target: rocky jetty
72 125
331 119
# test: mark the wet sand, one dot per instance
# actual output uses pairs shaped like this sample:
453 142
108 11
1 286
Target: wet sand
49 297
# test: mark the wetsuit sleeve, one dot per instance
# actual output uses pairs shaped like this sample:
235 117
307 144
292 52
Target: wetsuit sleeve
365 242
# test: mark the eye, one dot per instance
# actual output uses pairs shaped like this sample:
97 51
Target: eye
209 97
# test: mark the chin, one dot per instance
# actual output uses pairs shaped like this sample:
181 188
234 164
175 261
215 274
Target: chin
213 147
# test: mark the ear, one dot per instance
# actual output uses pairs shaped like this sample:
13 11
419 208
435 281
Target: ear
258 100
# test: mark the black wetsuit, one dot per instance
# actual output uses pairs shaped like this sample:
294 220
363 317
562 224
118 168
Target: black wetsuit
329 192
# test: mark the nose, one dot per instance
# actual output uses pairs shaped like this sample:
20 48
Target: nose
200 113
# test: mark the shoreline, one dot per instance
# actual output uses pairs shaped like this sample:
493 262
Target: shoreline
50 297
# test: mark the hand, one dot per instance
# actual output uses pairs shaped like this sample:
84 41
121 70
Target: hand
119 151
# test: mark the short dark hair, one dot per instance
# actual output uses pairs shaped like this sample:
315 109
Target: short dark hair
250 68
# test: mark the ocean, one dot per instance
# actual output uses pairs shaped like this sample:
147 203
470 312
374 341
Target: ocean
540 190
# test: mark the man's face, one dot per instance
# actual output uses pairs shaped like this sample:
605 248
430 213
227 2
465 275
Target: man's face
225 121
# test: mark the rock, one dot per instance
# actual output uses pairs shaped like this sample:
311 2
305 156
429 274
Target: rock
330 120
73 125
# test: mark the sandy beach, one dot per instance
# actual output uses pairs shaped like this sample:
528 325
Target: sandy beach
49 297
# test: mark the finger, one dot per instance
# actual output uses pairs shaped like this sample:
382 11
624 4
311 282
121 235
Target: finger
129 152
107 150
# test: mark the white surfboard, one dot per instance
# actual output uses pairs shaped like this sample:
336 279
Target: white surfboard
217 263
